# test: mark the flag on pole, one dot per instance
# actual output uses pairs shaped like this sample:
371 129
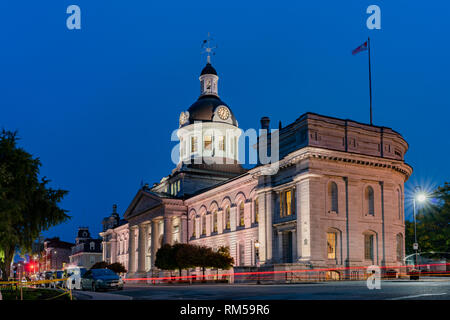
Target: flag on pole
361 48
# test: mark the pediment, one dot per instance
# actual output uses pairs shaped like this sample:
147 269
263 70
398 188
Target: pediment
142 202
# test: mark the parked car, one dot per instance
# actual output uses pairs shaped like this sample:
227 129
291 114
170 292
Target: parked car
97 279
74 275
48 275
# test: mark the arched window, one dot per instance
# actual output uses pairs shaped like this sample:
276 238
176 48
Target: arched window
227 218
370 201
214 218
241 214
333 195
204 225
194 227
256 210
368 246
331 245
399 203
399 247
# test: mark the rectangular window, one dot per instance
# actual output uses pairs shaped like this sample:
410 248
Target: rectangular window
207 141
287 203
227 218
193 144
331 245
204 225
221 140
368 247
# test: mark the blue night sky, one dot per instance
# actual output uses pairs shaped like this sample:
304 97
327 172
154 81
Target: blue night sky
98 105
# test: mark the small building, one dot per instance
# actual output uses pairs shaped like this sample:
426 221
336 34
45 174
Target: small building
86 251
56 254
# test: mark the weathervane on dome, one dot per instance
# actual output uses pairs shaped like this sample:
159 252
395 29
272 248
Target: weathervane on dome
208 49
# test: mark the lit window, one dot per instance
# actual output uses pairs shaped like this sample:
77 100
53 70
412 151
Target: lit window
368 246
331 245
241 214
207 140
204 225
221 140
215 221
193 144
227 218
287 203
193 227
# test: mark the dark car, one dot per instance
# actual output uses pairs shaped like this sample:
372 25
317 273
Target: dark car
101 279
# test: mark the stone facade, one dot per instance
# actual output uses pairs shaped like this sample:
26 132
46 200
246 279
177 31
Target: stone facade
336 202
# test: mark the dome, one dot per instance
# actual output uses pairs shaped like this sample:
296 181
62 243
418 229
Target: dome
203 109
208 69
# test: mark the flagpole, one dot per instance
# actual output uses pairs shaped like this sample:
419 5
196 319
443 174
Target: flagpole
370 81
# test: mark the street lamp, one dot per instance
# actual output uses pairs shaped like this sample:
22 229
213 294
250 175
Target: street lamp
257 259
421 197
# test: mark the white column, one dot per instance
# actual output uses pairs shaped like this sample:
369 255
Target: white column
294 245
303 220
233 217
280 246
183 229
167 237
269 227
113 249
141 247
155 233
262 227
131 251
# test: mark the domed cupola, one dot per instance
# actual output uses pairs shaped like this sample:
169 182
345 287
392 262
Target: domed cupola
208 129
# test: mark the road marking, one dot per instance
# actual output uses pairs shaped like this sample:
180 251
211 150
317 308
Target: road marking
418 296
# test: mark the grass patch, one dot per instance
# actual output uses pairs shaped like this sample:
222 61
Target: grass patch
11 293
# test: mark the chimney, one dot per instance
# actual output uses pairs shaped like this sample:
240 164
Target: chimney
265 121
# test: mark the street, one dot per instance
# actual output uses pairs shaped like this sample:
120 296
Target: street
433 289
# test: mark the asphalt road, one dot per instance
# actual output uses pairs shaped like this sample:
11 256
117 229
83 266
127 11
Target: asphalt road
342 290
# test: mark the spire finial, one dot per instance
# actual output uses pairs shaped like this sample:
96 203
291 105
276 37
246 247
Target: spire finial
208 49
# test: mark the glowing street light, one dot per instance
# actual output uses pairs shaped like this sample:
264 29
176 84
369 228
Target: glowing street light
421 197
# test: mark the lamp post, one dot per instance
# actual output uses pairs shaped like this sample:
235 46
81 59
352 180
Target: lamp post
257 259
421 197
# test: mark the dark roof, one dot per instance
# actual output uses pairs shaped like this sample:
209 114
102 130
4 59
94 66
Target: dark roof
203 109
208 69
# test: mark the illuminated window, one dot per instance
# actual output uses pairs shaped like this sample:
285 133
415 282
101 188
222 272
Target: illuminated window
207 141
193 227
368 246
227 218
203 225
193 144
331 245
287 203
241 214
215 221
221 140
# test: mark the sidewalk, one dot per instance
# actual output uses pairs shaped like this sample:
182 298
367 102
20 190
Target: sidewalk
88 295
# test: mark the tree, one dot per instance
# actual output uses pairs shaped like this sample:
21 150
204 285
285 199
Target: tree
165 258
117 267
433 224
27 205
184 253
100 265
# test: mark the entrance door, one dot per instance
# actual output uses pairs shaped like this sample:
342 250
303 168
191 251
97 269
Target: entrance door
287 247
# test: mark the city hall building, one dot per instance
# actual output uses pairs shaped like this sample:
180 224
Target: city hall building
334 202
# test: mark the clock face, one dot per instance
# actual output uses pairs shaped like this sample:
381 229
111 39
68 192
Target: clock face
183 118
223 112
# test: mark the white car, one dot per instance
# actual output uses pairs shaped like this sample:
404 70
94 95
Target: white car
74 275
